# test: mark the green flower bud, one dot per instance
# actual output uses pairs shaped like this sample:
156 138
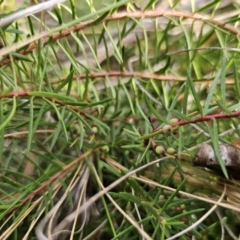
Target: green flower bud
160 150
166 129
94 130
173 120
105 148
171 150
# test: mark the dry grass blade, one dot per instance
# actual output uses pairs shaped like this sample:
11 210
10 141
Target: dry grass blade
199 220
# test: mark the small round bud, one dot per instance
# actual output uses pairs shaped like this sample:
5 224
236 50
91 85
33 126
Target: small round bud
130 120
171 150
160 150
127 152
166 128
173 120
94 130
105 148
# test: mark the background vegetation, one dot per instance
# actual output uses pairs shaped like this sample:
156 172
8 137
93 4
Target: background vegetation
103 107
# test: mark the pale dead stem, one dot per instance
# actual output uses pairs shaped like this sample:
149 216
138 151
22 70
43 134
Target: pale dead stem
137 211
130 219
23 133
33 206
118 167
222 226
173 13
92 234
225 226
78 176
132 173
9 231
142 75
39 230
82 198
28 11
114 17
35 220
55 177
211 210
126 74
72 217
189 195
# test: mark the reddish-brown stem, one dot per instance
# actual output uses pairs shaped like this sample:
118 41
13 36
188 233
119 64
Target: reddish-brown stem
14 94
205 119
124 15
52 179
180 123
26 94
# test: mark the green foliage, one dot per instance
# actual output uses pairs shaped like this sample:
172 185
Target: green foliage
87 93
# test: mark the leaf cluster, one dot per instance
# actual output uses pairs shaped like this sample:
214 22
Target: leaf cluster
88 91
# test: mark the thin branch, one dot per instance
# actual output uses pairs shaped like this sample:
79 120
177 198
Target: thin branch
204 119
23 133
54 100
145 180
125 215
201 219
142 75
114 17
52 179
29 11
